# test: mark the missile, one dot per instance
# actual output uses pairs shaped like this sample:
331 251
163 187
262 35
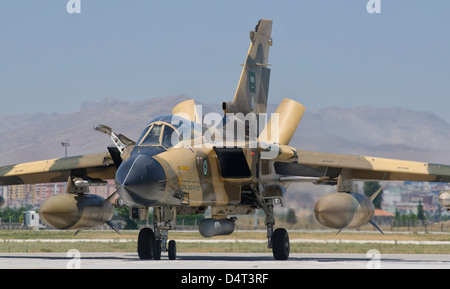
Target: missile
345 210
76 212
444 199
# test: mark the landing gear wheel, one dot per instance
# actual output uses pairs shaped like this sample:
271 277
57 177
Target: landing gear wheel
280 244
145 244
157 249
172 250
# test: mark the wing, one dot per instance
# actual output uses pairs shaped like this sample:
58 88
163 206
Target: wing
330 166
95 166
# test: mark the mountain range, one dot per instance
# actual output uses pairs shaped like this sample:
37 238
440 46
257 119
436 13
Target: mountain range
392 132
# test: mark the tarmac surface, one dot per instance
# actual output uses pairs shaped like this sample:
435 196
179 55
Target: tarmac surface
223 261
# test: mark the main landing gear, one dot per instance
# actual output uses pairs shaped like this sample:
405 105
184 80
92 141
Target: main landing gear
152 243
277 240
280 244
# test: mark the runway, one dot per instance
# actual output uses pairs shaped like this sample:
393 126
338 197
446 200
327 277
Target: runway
224 261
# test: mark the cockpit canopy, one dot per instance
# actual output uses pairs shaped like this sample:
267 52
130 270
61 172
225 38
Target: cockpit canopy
167 131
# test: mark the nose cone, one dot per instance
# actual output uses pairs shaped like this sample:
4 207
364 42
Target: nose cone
444 199
140 180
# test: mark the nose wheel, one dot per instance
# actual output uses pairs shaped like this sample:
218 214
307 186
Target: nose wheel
152 242
149 247
146 239
172 250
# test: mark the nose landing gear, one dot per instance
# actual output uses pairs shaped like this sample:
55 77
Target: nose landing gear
152 243
150 247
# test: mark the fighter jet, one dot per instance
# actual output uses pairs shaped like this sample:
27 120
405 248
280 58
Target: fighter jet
231 163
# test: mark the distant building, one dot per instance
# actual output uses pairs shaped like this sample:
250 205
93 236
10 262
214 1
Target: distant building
382 217
35 194
405 197
31 219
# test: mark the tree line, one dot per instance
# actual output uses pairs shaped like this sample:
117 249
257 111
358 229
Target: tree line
12 215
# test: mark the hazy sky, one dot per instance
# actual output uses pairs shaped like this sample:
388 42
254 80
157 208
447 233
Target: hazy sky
325 52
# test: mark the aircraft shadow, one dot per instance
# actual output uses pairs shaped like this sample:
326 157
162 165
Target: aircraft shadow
133 257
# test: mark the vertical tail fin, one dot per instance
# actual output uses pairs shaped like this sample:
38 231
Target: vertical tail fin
252 91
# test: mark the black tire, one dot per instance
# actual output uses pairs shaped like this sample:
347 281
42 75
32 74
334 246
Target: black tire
145 244
280 244
172 250
157 249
